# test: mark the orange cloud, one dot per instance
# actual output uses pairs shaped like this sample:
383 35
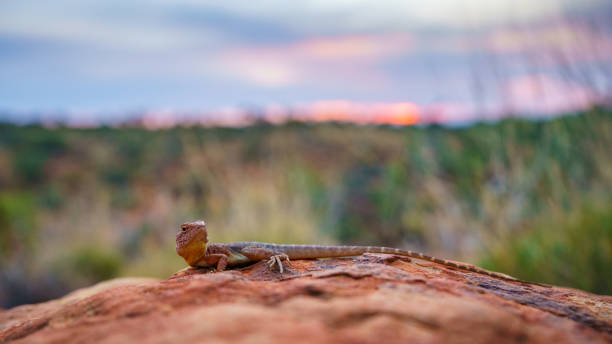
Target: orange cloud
397 114
362 113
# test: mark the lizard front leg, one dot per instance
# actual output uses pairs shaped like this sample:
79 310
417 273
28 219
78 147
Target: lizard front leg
214 259
256 253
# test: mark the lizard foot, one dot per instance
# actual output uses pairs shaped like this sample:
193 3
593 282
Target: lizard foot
277 259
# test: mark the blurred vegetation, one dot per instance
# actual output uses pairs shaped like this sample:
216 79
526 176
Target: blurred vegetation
567 250
530 198
88 264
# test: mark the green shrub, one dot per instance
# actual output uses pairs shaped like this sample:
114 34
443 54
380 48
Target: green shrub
574 250
34 147
88 265
51 197
18 234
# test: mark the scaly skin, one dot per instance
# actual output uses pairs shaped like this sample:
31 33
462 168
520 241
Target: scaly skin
193 246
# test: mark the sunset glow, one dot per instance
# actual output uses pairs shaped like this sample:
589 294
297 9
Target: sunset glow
360 113
399 62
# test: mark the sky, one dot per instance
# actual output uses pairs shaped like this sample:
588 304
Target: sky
452 58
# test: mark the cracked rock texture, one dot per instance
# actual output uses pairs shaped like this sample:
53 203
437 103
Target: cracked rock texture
366 299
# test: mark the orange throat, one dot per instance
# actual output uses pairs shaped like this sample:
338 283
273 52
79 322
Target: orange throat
193 249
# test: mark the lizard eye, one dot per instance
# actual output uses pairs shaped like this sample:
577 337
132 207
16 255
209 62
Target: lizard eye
183 228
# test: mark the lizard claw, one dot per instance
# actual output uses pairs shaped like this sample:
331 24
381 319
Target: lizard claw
277 259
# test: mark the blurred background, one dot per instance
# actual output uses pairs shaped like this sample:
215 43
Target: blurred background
470 130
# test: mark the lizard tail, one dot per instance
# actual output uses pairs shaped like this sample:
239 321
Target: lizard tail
445 262
322 251
331 251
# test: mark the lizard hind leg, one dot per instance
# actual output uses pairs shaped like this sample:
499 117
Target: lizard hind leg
277 259
256 253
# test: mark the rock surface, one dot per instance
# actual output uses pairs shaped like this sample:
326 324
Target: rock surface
366 299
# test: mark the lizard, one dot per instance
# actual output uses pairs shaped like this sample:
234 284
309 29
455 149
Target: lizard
192 244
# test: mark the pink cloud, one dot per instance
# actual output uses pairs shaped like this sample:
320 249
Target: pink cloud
550 43
575 42
541 94
349 60
448 112
162 118
167 118
354 46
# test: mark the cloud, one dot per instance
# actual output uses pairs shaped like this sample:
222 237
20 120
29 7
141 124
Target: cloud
346 17
449 113
544 95
550 41
342 59
162 23
192 53
166 118
121 29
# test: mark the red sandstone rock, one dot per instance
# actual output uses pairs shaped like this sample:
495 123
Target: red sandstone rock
368 299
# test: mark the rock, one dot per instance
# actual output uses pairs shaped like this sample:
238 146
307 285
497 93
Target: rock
366 299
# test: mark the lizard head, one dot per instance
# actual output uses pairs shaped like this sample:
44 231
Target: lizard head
191 241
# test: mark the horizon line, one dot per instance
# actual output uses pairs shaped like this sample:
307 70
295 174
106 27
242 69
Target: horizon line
335 111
